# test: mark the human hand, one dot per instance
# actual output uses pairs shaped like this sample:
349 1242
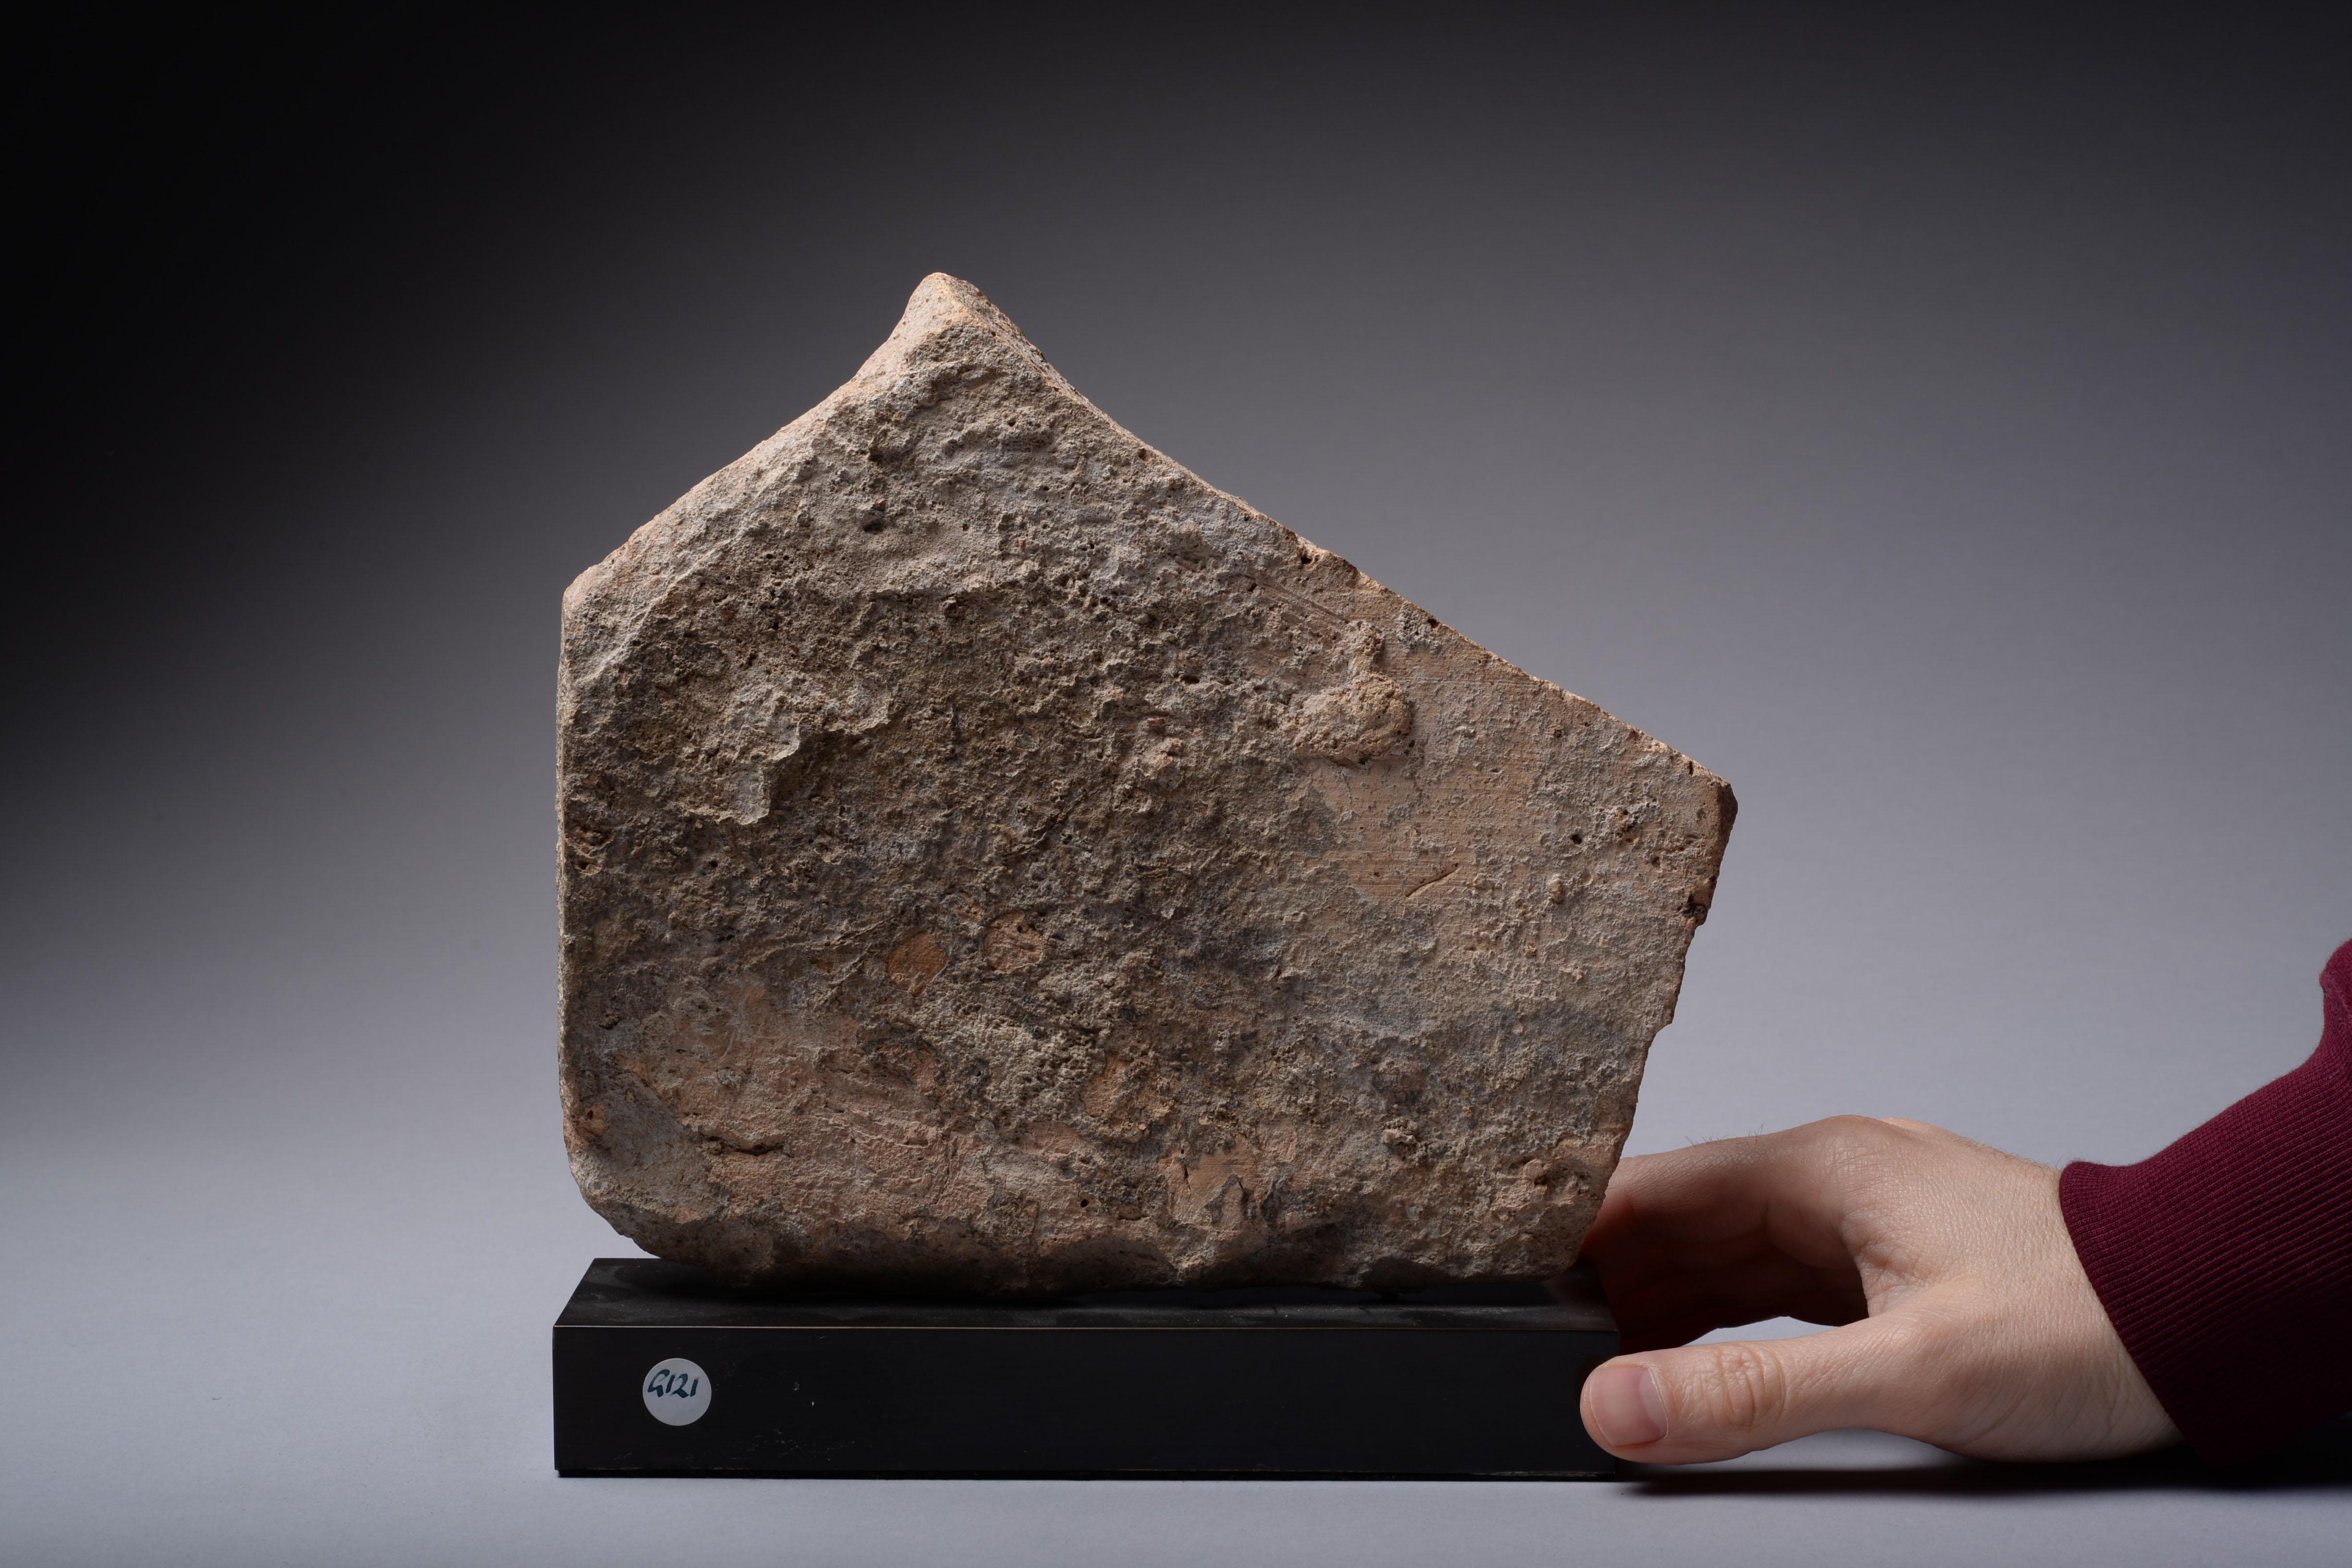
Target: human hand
1969 1324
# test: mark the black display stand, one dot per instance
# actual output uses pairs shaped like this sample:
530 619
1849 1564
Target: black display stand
1464 1382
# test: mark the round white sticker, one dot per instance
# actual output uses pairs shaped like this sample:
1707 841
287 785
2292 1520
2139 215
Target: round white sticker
678 1392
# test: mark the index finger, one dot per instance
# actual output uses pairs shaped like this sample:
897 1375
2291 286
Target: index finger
1795 1191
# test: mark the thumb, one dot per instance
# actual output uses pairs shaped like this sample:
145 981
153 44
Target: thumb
1719 1400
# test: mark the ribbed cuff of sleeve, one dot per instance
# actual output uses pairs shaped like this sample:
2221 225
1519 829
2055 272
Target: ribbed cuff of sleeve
2225 1261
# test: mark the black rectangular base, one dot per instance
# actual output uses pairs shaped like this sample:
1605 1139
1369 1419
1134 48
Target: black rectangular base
660 1372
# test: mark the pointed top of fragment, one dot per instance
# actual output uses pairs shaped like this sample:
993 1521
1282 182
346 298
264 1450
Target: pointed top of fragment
946 312
940 297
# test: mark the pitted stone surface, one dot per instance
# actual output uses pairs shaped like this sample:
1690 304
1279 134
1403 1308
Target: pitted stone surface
994 861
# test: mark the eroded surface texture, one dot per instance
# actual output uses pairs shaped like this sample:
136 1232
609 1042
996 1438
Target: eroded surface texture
994 860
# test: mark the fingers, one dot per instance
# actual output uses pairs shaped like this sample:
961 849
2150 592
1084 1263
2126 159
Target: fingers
1747 1228
1679 1307
1738 1231
1792 1189
1719 1400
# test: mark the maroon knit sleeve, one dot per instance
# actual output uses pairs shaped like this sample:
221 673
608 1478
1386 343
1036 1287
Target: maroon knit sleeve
2225 1261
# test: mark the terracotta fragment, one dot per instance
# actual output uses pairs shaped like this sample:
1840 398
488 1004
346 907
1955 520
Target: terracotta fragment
994 861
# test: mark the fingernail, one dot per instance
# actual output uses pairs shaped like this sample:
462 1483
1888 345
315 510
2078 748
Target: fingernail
1627 1411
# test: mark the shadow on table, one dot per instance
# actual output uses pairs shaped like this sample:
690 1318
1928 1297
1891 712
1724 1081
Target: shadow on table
2321 1460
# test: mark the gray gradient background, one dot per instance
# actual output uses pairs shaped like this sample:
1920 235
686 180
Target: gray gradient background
1940 432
